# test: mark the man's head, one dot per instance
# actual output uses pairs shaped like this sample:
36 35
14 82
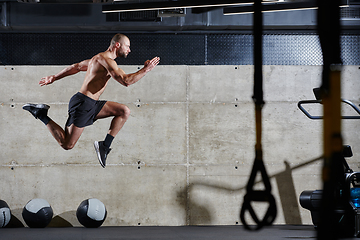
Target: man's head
122 45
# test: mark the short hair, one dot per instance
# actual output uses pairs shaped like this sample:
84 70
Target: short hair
117 38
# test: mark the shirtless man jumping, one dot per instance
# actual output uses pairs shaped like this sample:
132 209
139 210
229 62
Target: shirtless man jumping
85 107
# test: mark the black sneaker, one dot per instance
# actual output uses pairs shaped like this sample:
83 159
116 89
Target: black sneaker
36 109
101 152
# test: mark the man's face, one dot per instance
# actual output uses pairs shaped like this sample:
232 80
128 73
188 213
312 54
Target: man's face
124 48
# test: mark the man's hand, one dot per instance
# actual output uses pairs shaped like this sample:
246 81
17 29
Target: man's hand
47 80
150 64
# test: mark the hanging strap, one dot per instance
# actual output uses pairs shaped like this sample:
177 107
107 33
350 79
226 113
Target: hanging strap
333 172
258 195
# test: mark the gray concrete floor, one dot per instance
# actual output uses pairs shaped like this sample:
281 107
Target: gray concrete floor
277 232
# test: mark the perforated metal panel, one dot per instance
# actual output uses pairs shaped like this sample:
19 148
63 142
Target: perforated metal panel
50 49
292 50
174 49
350 49
278 49
229 49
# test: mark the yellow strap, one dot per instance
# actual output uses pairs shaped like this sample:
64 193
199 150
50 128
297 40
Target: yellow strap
332 120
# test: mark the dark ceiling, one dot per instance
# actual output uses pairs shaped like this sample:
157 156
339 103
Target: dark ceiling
29 17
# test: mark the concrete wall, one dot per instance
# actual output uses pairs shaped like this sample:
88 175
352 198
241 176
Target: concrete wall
186 152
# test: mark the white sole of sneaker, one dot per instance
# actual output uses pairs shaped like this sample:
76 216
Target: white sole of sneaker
96 145
42 106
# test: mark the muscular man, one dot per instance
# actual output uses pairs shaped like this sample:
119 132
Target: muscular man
85 107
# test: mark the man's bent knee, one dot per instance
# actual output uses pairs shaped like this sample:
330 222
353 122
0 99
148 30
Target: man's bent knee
126 112
72 134
122 111
68 146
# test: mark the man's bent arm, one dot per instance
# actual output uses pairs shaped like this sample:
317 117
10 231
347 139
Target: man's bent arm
70 70
131 78
128 79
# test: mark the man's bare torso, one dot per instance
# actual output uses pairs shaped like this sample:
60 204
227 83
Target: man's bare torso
96 77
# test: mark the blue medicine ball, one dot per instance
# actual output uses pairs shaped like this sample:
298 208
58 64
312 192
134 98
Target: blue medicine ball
37 213
5 214
91 213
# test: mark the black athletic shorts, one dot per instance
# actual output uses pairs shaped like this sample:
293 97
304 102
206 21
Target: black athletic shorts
83 110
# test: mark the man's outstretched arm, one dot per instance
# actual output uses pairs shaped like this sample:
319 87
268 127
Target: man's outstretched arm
127 79
70 70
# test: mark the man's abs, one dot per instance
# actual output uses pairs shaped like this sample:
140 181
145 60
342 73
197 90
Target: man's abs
94 85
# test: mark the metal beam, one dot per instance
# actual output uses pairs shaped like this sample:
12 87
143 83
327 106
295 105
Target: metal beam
126 7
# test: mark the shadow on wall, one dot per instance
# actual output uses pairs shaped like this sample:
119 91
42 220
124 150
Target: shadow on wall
287 193
60 220
57 221
63 220
14 221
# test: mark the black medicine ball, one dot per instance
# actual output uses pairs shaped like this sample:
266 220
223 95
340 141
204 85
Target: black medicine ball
91 213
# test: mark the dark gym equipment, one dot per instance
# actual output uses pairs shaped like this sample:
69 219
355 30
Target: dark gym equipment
318 100
346 214
91 213
37 213
5 214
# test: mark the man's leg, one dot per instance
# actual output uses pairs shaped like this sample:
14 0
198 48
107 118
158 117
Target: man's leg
66 138
121 113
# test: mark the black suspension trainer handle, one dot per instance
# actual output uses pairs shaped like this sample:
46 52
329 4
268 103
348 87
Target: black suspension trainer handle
258 195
